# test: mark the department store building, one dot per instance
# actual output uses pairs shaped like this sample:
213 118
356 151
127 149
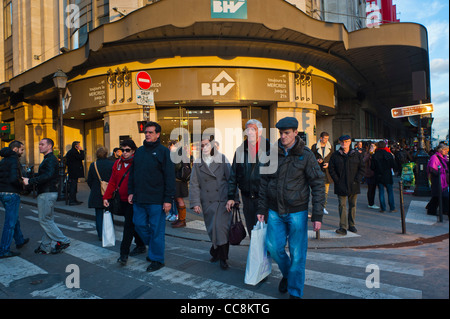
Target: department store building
213 64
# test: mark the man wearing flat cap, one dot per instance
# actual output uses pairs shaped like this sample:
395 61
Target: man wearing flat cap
346 168
284 196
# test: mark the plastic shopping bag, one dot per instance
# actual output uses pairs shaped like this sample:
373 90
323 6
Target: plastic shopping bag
259 264
108 235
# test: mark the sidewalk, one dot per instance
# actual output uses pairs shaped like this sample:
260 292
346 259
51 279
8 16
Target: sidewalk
374 228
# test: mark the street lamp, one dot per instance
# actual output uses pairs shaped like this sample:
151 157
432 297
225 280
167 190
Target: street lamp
60 81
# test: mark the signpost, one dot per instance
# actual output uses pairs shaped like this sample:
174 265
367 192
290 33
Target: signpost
143 80
411 110
144 96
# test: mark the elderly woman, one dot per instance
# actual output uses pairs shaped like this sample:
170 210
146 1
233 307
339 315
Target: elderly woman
438 169
209 194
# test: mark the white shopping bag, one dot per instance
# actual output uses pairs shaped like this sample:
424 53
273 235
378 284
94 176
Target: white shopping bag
259 264
108 235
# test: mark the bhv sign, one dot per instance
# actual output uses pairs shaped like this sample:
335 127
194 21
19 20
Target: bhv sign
229 9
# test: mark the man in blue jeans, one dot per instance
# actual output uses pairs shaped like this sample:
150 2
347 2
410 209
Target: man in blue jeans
284 194
151 189
10 187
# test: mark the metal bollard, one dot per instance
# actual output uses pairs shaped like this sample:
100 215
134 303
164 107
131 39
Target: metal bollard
402 208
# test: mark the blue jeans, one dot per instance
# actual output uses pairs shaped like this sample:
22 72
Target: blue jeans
292 227
390 192
11 228
150 224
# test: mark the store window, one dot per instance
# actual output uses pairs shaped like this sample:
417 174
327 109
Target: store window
7 18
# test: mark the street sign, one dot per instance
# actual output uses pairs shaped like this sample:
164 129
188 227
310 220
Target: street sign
145 97
412 110
143 80
5 128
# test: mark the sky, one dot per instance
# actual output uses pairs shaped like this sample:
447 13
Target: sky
434 15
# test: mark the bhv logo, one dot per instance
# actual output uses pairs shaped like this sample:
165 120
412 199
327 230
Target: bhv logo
229 9
217 87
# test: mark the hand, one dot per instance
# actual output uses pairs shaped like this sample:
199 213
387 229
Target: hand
106 203
260 218
167 207
317 226
230 204
319 160
130 198
325 165
25 180
197 210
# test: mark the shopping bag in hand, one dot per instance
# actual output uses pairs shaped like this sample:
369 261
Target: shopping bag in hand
108 235
259 264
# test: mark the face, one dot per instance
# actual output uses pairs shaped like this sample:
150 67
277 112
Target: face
151 135
206 147
444 151
252 133
324 139
345 144
44 147
287 137
19 150
126 152
118 153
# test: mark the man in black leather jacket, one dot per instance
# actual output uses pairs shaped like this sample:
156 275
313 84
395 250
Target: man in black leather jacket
46 181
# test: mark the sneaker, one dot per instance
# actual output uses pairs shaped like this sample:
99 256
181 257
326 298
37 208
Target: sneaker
154 266
59 247
173 218
137 251
10 254
374 206
341 231
40 251
325 211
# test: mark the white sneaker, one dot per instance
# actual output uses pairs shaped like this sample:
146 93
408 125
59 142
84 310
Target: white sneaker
374 206
325 211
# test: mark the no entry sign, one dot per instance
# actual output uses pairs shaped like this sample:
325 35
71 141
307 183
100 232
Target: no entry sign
143 80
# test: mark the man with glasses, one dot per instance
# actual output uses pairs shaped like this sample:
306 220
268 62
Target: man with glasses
151 189
346 169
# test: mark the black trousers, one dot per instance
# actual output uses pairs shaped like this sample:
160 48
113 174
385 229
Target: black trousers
73 188
128 230
371 188
250 209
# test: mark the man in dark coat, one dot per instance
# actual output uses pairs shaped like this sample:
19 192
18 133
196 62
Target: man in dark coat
383 164
75 169
284 195
11 185
346 169
151 189
322 151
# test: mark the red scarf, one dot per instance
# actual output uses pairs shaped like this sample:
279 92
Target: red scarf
253 149
123 161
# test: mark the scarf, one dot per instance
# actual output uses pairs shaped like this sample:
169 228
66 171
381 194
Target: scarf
123 161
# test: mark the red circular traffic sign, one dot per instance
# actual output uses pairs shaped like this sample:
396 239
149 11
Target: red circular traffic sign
143 80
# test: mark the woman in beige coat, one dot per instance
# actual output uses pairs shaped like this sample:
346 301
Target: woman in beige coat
208 194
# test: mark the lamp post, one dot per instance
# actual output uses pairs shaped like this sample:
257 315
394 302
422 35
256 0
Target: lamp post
60 81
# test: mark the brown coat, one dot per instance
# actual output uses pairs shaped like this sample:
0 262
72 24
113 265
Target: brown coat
209 190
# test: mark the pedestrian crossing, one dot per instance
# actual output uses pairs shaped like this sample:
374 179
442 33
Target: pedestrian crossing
337 274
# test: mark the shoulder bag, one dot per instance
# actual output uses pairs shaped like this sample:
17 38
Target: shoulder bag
103 184
237 229
114 202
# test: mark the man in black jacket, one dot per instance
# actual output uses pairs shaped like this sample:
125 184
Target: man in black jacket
11 185
383 164
346 169
245 172
284 196
47 189
75 169
151 189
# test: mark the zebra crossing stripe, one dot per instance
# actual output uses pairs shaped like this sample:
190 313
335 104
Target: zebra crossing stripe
201 287
15 268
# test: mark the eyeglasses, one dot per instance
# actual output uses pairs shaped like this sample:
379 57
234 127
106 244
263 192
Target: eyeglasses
149 132
126 150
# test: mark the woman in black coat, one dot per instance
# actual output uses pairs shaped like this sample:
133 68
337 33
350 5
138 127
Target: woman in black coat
104 167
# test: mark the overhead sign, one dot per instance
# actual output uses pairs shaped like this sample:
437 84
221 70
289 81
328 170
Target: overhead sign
143 80
412 110
145 97
229 9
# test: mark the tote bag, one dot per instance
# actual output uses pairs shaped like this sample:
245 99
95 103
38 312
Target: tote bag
259 264
237 230
108 235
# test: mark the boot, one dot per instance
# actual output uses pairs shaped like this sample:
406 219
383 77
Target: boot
181 222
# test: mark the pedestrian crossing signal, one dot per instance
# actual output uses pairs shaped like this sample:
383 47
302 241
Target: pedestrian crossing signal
5 128
141 126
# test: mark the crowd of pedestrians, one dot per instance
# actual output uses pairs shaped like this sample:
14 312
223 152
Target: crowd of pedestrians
151 185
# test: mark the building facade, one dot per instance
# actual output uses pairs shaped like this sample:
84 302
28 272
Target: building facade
213 65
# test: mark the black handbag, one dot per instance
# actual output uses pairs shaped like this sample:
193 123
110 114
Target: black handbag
114 202
237 229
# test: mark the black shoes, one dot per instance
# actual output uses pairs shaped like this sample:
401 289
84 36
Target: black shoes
137 251
122 260
75 203
282 287
341 231
59 247
352 229
25 241
224 264
154 266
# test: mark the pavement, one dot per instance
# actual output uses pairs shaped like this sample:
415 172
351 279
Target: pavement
374 229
